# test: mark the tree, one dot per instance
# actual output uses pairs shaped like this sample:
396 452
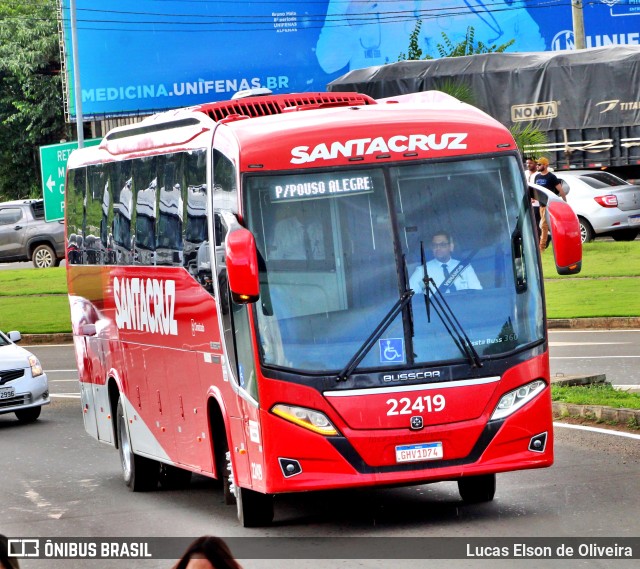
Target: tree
526 137
467 46
31 105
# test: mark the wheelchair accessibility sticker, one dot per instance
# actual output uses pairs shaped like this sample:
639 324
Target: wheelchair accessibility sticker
391 350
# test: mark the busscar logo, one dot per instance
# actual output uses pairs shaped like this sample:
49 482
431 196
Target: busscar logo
534 111
408 376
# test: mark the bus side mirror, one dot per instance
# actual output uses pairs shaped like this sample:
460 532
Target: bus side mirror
242 266
565 231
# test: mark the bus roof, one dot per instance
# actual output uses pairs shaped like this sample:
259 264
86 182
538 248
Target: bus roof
335 129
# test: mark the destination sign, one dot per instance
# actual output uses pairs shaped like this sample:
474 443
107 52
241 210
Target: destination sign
293 188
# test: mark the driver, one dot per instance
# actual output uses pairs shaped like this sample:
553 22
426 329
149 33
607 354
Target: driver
442 266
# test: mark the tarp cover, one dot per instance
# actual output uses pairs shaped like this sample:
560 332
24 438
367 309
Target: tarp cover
588 88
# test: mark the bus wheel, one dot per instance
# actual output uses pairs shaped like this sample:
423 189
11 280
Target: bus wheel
174 478
254 509
226 475
477 489
140 473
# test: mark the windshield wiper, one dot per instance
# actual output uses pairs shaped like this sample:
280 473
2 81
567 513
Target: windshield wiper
386 321
453 326
425 280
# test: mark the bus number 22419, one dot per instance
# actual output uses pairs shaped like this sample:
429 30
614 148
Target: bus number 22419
426 403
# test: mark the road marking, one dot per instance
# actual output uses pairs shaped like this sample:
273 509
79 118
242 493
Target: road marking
561 344
40 502
616 331
589 357
38 346
596 430
65 395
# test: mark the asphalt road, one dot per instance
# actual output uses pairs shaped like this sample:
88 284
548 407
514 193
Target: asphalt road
58 481
614 353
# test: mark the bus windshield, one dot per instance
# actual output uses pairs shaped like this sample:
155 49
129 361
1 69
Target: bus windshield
338 248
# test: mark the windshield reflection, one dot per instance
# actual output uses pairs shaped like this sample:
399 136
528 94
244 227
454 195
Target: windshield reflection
330 271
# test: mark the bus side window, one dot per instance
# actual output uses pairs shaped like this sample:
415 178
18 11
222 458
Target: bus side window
76 192
225 192
195 227
91 250
120 213
145 183
169 249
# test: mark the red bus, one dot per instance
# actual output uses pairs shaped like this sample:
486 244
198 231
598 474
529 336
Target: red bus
313 291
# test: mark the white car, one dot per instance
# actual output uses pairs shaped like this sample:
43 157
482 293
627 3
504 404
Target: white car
604 204
24 387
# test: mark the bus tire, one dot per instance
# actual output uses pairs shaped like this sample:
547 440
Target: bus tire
477 489
140 473
254 509
226 476
174 478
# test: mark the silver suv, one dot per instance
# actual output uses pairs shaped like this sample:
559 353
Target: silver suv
26 236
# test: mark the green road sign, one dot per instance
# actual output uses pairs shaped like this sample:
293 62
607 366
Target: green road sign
53 166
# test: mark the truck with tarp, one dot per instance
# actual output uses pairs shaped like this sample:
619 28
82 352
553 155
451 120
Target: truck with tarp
586 101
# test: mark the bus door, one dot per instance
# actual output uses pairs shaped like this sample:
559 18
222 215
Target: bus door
239 372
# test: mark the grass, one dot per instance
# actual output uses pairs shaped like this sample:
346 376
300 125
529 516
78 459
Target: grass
34 301
43 314
608 284
598 394
600 259
590 298
29 282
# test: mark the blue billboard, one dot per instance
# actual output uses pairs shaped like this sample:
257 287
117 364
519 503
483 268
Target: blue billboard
145 56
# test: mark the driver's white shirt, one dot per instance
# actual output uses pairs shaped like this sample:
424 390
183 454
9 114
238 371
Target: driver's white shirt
467 279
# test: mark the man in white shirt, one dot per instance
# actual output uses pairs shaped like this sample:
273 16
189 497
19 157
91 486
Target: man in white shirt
442 266
295 241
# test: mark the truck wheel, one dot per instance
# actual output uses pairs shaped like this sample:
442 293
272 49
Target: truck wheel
625 235
586 231
44 257
477 489
254 509
140 473
28 415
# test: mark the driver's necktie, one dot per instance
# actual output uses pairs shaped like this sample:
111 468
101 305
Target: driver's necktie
445 272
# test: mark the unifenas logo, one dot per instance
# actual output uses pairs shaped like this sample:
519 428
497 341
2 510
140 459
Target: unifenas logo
379 145
534 111
146 305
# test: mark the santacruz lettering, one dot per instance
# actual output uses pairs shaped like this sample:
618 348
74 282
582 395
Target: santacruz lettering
365 146
145 305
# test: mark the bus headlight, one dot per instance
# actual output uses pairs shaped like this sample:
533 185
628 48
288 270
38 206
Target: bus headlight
307 418
510 402
36 368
